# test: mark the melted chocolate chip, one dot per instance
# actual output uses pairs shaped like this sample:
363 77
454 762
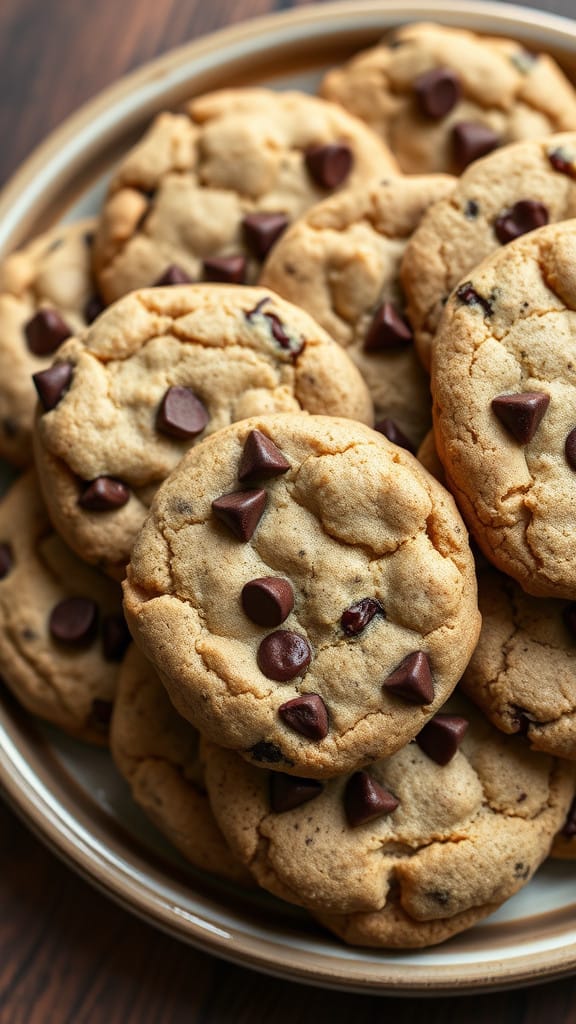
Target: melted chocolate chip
292 345
282 655
115 637
268 601
412 679
306 715
392 431
104 494
94 306
46 331
240 511
471 140
181 414
471 209
441 737
73 621
570 449
355 619
521 414
388 330
437 92
468 295
225 269
526 215
262 230
365 799
261 458
268 753
52 384
172 275
290 791
6 560
329 165
563 161
102 713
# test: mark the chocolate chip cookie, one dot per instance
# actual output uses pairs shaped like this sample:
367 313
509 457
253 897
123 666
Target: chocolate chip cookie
306 592
62 632
206 193
410 850
341 263
442 97
158 372
564 845
503 196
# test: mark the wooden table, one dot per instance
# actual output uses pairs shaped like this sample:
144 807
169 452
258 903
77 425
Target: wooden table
66 953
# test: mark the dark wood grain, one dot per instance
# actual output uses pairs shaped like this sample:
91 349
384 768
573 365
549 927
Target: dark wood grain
67 954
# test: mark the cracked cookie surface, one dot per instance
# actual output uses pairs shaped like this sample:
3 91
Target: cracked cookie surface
341 263
157 752
221 181
462 837
159 371
441 97
504 390
353 550
497 199
62 632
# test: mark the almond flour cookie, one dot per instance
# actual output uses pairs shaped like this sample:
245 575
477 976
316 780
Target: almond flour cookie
161 370
504 387
62 632
206 193
157 753
501 197
409 851
306 592
442 97
341 263
46 294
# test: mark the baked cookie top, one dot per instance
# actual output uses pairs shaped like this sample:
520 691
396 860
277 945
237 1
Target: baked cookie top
341 263
442 97
159 371
157 753
46 295
504 387
207 192
437 835
306 592
62 632
499 198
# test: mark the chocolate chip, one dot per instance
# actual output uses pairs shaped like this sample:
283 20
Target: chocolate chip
104 494
412 679
282 655
468 295
94 306
6 560
268 753
172 275
441 737
115 637
289 791
569 616
306 715
294 345
521 414
437 92
365 799
329 165
387 330
225 269
570 449
521 721
46 331
52 384
569 830
181 414
563 161
73 621
392 431
471 209
471 140
240 511
268 600
262 230
526 215
358 615
102 713
261 459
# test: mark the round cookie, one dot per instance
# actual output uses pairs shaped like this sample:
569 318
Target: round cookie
499 198
442 97
504 388
410 851
159 371
46 294
341 263
306 592
157 753
207 192
564 845
62 632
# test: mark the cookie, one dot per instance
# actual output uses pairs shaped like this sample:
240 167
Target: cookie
207 192
62 632
341 263
504 387
428 456
410 851
306 592
564 845
156 751
499 198
442 97
158 372
46 294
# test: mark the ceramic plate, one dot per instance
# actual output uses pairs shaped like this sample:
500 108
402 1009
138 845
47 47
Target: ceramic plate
68 793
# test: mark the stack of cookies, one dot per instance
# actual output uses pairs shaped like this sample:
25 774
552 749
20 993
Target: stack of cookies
311 351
